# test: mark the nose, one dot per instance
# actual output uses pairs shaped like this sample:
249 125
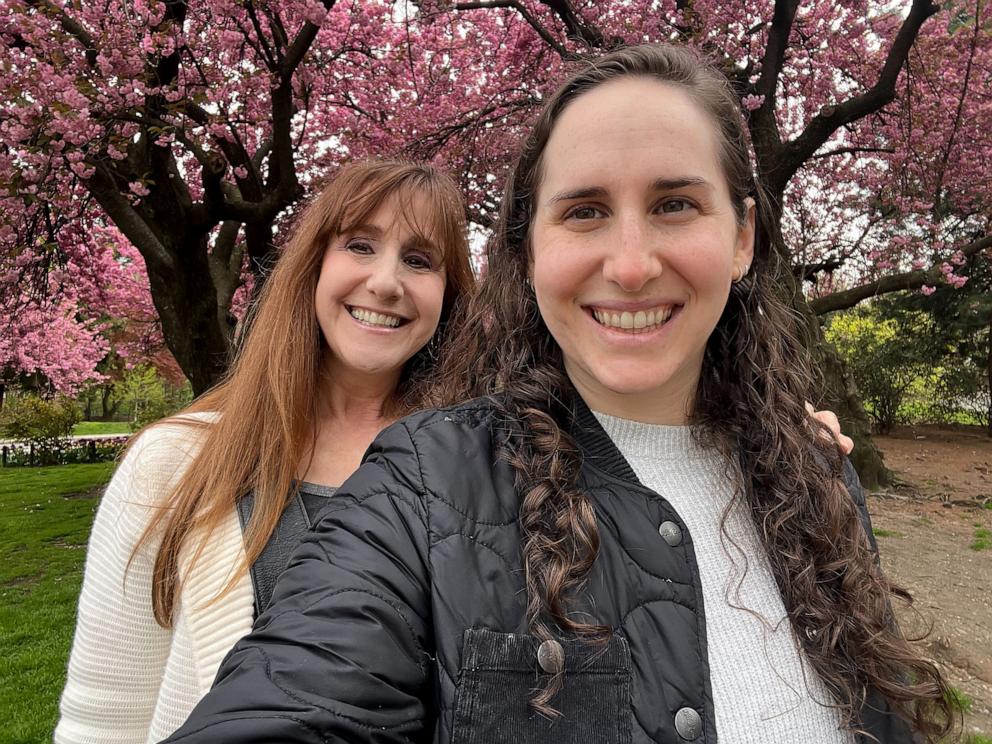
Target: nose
384 280
634 259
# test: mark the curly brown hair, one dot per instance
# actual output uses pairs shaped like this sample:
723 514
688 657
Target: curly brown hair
749 404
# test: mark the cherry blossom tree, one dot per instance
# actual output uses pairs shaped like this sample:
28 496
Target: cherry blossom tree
103 306
195 129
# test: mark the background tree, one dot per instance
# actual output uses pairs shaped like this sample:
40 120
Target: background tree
957 343
194 127
889 354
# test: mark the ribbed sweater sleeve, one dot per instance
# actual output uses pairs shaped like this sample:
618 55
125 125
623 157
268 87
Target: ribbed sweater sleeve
119 652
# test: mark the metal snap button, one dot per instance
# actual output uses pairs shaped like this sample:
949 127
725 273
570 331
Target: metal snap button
671 532
551 656
688 724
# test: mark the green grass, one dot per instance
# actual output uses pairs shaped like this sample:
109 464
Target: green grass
977 739
89 428
983 539
879 532
45 518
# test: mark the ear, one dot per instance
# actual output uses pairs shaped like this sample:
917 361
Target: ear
744 246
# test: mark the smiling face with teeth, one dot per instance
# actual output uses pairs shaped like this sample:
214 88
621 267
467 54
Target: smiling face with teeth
379 296
634 243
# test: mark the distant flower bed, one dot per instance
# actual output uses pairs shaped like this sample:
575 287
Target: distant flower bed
86 449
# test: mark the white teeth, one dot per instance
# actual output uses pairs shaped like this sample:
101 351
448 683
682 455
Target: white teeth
637 321
373 318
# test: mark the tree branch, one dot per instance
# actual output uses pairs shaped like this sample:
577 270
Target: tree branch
71 27
807 272
894 283
830 118
778 42
264 49
527 16
225 262
300 46
575 27
849 150
942 165
104 188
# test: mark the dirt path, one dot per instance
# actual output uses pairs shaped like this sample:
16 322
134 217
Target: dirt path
930 532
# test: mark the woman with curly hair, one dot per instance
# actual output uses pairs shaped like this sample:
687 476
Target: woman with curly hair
633 533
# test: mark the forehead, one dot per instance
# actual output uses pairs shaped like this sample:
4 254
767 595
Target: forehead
629 131
407 209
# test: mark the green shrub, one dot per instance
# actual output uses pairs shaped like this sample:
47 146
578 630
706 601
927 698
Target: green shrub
45 424
880 354
149 397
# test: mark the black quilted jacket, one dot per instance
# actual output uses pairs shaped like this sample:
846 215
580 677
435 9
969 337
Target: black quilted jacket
401 616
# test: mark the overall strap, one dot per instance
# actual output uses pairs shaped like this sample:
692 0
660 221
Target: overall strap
274 558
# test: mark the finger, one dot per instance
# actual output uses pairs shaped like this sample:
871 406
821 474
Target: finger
828 419
832 422
846 444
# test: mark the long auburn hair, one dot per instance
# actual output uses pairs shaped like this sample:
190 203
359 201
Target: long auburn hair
267 403
749 404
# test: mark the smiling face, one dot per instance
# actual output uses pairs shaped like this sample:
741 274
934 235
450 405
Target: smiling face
379 294
635 242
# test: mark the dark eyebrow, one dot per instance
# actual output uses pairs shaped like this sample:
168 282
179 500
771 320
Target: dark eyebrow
670 184
577 194
661 184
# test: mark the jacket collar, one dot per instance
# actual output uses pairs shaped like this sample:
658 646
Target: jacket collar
597 447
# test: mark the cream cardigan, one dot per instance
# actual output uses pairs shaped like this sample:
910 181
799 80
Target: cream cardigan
130 680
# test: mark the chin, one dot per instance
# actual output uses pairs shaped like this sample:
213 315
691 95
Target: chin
628 383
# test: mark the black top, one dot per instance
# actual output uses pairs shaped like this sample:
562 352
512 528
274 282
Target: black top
296 520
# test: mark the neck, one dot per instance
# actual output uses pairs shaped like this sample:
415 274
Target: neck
358 400
669 404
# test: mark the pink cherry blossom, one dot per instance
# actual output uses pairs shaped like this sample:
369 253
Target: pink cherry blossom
191 132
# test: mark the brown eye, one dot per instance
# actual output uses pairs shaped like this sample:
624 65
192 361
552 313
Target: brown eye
675 206
584 213
418 261
360 247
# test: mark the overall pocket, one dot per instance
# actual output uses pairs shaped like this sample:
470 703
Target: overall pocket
500 672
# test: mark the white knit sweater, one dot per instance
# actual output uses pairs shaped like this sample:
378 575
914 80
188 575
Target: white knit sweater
129 680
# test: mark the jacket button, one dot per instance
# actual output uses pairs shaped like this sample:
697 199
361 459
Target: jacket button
551 656
671 532
688 724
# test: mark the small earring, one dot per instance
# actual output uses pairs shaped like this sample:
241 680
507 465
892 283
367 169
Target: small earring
740 273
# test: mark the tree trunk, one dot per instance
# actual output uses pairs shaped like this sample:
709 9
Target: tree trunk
841 397
195 327
107 410
988 370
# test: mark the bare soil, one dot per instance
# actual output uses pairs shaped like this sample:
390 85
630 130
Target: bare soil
929 528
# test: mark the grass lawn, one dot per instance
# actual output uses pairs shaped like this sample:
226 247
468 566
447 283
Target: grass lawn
88 428
45 518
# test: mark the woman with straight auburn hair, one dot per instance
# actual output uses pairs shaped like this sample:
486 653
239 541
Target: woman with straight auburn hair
635 533
206 506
